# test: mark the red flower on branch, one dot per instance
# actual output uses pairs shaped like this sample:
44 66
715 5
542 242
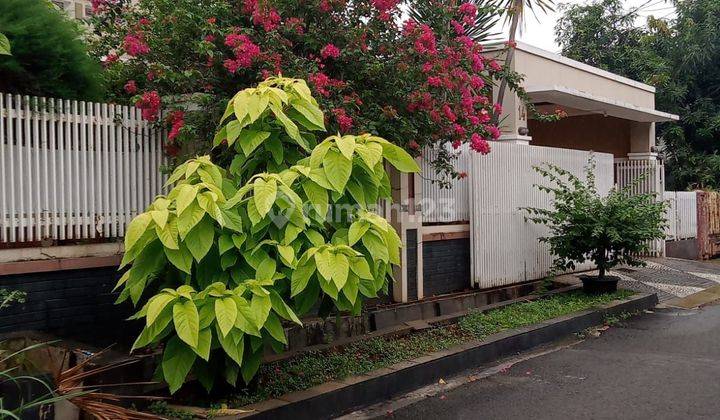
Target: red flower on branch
149 104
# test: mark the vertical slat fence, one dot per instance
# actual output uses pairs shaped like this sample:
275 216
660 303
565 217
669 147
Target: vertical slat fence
73 170
505 248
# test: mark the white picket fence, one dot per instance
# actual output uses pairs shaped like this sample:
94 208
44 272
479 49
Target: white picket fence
504 246
681 215
73 170
449 203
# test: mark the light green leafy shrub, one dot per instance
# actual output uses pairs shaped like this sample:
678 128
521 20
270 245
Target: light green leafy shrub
273 224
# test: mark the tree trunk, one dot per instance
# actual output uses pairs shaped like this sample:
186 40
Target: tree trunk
516 5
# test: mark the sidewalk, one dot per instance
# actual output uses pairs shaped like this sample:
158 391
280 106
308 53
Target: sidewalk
670 278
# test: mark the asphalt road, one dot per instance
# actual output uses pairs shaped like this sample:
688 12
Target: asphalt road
663 365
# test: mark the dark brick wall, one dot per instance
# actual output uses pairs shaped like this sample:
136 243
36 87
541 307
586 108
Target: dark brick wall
72 303
411 263
446 266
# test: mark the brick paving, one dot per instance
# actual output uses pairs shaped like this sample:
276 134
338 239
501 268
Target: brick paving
670 277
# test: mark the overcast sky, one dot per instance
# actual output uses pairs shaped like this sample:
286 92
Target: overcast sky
540 31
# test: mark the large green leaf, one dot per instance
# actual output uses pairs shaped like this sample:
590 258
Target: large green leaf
311 112
185 196
200 239
266 269
337 169
376 246
346 144
341 268
317 195
204 342
187 321
190 217
370 153
156 304
177 361
324 261
300 277
226 313
274 327
136 228
282 308
149 333
357 230
260 307
249 140
233 344
264 194
399 158
180 258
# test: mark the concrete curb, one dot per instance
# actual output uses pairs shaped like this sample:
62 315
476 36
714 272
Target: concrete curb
335 398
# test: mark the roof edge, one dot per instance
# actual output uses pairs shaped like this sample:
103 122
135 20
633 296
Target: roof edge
531 49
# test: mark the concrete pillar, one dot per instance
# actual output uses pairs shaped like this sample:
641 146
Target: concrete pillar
406 217
642 141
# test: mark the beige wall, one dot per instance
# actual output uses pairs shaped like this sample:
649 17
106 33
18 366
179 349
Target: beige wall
586 132
543 71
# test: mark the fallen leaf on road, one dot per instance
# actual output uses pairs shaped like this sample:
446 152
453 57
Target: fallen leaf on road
442 381
442 397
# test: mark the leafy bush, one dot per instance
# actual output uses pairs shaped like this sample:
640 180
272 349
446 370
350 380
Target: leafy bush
48 57
584 226
274 224
414 83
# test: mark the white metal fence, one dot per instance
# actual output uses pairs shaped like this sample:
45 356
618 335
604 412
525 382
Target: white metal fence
504 247
451 203
681 214
643 177
72 169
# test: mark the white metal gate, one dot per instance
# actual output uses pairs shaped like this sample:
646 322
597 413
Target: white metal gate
504 247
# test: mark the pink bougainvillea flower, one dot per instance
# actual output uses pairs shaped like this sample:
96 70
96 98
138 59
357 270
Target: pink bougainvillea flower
209 38
135 45
344 121
413 145
149 104
245 52
109 59
130 87
212 20
494 65
493 131
479 144
150 76
144 21
425 43
468 9
330 51
177 121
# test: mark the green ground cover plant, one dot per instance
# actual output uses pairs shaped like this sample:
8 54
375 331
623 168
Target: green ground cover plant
314 368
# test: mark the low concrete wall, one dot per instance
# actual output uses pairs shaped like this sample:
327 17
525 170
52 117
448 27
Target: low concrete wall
685 248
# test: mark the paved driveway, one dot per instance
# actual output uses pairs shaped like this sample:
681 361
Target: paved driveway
670 277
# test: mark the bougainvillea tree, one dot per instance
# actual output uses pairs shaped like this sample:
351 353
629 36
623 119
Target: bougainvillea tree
409 81
276 223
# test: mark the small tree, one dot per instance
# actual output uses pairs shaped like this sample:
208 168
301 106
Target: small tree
49 57
584 226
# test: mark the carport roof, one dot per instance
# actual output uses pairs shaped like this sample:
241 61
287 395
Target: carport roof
573 98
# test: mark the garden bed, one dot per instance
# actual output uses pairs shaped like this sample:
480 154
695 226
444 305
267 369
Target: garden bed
368 357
